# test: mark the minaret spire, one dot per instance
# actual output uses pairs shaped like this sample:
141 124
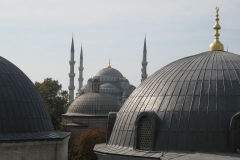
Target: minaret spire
216 45
144 61
80 68
71 86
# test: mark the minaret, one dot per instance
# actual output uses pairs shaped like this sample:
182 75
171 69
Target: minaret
80 68
144 62
216 45
71 86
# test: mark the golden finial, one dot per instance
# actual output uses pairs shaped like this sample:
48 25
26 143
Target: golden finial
109 66
216 45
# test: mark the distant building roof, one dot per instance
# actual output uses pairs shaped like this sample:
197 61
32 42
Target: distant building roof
109 72
93 104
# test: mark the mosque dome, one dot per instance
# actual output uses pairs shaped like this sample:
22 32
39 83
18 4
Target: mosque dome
22 109
93 104
191 103
108 86
109 72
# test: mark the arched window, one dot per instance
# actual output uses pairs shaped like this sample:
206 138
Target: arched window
147 125
237 133
144 134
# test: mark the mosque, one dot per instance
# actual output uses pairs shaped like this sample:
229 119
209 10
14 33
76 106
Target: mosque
112 82
104 93
189 109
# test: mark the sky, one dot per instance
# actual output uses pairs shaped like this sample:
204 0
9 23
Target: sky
36 35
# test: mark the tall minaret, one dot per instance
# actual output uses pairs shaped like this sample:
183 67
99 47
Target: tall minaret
144 62
71 86
80 68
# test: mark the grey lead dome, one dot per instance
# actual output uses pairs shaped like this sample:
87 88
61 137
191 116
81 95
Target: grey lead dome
195 99
110 72
93 104
22 109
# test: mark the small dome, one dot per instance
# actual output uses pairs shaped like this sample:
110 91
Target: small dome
90 80
109 72
93 104
194 98
84 87
108 86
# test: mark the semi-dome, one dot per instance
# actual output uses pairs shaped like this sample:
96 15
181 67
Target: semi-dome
190 104
93 104
108 86
22 109
109 72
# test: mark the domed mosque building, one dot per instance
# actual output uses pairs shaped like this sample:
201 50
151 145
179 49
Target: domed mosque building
189 109
104 93
26 130
112 82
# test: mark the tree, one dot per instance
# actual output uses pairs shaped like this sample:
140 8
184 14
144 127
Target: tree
56 99
83 149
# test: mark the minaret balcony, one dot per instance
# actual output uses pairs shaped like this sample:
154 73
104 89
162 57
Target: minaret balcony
71 74
80 68
71 87
71 62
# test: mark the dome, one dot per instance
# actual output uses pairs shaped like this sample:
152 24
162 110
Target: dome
93 104
22 109
109 72
84 87
108 86
90 80
194 100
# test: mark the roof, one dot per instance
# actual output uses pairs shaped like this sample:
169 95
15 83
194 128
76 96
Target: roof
22 109
195 99
93 104
109 72
129 154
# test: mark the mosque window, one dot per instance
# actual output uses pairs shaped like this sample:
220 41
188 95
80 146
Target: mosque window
147 126
237 134
144 134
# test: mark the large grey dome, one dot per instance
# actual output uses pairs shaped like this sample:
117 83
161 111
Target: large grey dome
109 72
23 113
93 104
195 100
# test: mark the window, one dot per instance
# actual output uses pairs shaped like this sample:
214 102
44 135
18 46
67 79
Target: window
237 134
144 134
147 126
234 134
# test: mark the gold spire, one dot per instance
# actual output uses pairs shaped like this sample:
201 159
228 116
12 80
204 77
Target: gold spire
216 45
109 66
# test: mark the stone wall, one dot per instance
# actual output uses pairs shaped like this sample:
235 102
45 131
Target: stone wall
83 123
35 150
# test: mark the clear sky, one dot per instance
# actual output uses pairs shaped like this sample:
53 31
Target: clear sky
36 35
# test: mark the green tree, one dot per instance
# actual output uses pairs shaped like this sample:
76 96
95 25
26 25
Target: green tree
56 99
